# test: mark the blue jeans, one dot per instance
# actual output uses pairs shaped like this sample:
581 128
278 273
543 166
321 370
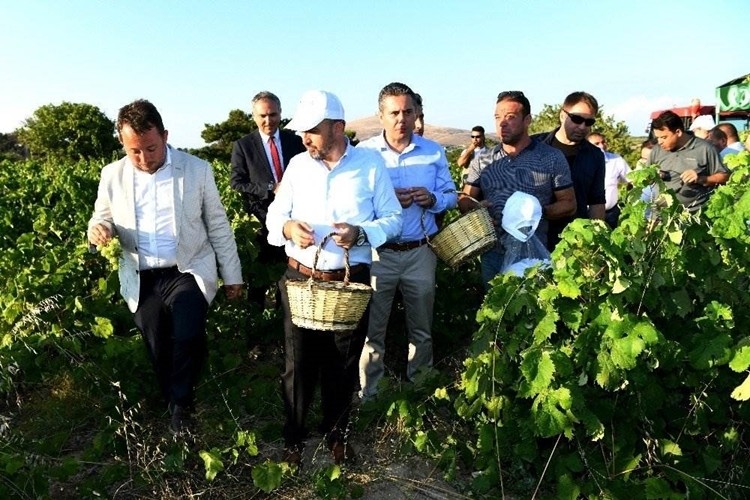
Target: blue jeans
491 262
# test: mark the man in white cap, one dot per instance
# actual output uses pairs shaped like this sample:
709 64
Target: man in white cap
702 125
424 187
332 188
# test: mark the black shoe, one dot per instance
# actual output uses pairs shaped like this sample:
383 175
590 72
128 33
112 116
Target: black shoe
178 420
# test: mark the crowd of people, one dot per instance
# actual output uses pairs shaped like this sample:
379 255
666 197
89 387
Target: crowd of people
378 204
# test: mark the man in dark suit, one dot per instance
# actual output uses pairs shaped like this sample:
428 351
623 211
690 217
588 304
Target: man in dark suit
258 163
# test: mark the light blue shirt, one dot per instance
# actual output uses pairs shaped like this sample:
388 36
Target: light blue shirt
357 190
421 164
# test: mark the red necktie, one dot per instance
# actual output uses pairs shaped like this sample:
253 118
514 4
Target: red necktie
275 158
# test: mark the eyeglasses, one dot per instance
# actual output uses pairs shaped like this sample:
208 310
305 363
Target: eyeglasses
578 119
476 136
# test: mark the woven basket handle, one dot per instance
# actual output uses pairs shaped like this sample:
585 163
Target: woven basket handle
317 255
479 203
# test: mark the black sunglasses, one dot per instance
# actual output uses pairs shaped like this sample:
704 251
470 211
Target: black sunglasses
578 119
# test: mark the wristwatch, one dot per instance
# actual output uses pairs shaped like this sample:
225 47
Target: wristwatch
361 237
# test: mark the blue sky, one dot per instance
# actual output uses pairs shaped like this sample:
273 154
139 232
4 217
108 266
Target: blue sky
197 60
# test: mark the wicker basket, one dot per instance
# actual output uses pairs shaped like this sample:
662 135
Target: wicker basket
471 234
327 305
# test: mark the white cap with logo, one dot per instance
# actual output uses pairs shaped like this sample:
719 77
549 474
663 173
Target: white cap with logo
314 107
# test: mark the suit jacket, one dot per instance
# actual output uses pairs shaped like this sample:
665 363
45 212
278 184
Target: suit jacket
204 235
251 171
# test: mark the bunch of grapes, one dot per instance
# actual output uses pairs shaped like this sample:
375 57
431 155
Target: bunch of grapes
112 252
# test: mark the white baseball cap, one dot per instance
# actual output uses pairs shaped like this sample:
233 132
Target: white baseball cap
522 210
315 106
706 122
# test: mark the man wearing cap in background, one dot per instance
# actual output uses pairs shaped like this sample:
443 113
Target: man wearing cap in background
518 164
688 165
333 188
419 171
258 163
702 125
586 161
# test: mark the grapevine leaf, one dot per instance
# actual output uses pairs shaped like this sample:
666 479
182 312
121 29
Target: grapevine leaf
675 236
538 370
741 359
212 462
742 391
711 352
567 487
267 476
546 326
669 447
620 285
569 288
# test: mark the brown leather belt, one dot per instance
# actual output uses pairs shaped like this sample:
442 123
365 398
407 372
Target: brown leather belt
333 275
404 245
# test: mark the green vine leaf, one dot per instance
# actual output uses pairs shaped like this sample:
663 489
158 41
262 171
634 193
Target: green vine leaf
538 370
267 476
742 391
212 462
741 359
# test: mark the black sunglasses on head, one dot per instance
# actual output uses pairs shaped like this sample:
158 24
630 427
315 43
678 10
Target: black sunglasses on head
578 119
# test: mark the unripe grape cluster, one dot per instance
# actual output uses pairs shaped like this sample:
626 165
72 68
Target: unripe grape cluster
112 252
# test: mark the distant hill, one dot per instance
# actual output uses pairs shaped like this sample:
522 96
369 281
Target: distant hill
446 136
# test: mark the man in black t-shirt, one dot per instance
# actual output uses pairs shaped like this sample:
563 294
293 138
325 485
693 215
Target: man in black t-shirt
586 161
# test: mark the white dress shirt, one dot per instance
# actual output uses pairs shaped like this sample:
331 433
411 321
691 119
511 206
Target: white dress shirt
357 191
615 173
154 215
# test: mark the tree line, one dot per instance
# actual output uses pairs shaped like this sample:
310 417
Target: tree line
79 131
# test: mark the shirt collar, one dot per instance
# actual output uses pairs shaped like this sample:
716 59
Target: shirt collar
414 143
266 137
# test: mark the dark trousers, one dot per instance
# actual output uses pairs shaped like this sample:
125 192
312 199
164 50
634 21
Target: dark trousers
311 355
171 316
612 216
268 255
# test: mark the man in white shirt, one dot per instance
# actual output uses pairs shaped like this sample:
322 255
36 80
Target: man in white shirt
333 188
733 145
616 171
164 207
419 172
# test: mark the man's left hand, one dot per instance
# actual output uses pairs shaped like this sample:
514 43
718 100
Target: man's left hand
689 176
423 197
233 292
346 234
